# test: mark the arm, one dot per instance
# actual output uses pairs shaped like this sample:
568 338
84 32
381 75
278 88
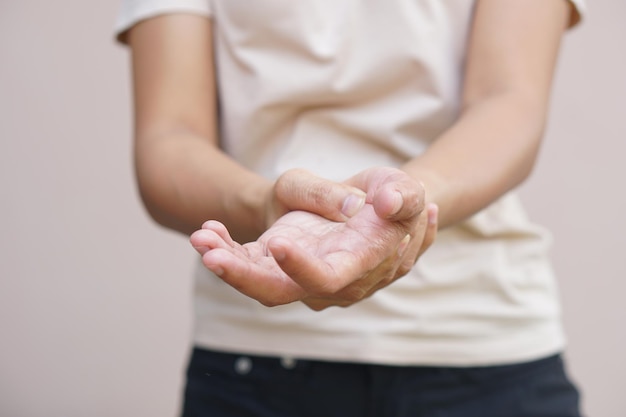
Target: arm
487 152
493 146
185 179
183 176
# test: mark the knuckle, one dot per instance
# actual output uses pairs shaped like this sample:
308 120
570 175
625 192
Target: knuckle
403 269
271 301
297 172
281 184
319 307
287 178
345 304
319 192
387 280
353 294
316 304
320 304
327 289
268 303
386 269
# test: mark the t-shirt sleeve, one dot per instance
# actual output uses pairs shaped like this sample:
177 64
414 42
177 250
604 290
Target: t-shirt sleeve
133 11
579 9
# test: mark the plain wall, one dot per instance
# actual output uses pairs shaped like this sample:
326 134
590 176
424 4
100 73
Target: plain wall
95 299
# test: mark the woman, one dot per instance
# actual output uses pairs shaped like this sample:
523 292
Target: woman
364 153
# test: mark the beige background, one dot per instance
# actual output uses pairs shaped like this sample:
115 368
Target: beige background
94 299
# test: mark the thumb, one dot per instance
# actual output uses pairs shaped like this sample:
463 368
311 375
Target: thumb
298 189
402 200
394 194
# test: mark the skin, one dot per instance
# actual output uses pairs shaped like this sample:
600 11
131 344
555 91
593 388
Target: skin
306 257
310 239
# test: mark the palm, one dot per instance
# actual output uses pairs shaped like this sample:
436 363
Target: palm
304 256
333 254
336 245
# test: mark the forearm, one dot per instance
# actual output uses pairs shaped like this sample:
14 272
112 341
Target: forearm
506 87
185 180
183 177
490 150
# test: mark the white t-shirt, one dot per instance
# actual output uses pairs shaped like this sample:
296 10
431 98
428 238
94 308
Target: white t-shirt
336 87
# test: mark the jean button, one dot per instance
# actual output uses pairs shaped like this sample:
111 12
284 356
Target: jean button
288 363
243 365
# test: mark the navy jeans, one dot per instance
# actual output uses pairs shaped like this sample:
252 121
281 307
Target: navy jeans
231 385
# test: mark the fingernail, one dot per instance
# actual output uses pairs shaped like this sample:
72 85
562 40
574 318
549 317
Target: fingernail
403 245
279 256
433 213
352 204
277 253
201 249
217 270
398 201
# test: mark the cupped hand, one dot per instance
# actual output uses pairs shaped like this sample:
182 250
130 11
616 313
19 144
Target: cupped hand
396 197
306 257
394 266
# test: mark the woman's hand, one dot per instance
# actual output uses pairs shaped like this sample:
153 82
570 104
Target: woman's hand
304 256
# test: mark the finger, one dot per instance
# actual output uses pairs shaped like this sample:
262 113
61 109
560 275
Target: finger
383 274
218 228
380 277
261 279
204 240
387 272
431 228
394 194
399 200
316 276
424 236
298 189
340 275
319 303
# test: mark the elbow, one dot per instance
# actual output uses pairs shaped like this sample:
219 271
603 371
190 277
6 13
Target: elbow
525 171
156 201
152 204
152 207
528 152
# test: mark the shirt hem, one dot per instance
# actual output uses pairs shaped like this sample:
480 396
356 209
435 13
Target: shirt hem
483 352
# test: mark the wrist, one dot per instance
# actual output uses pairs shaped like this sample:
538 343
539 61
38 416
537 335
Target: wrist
435 188
247 208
